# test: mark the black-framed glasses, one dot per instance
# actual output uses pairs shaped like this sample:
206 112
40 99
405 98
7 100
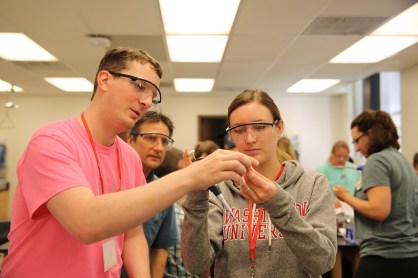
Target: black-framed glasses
153 138
355 141
144 87
258 130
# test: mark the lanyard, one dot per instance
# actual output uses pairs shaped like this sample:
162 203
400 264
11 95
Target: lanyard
253 237
97 158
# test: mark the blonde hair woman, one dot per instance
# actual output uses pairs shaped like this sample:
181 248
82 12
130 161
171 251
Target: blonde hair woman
285 150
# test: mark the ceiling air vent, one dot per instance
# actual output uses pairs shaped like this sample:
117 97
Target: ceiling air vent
42 66
344 25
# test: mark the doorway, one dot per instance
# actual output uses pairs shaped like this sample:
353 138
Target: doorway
212 128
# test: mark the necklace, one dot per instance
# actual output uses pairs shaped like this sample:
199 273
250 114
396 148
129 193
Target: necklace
97 158
252 235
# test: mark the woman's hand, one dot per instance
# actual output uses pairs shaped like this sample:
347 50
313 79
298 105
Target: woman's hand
341 192
377 206
257 187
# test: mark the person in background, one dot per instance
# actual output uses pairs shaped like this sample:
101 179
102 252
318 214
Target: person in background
339 170
173 161
415 163
205 148
151 137
385 203
77 211
228 144
285 150
285 223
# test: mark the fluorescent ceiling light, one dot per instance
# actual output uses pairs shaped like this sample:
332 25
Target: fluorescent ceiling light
71 84
193 85
406 23
6 87
312 85
18 47
209 49
373 49
198 16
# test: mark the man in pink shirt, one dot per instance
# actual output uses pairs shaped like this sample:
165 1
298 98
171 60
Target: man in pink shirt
77 208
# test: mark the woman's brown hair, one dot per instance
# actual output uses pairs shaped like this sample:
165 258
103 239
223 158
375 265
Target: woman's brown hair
254 95
380 128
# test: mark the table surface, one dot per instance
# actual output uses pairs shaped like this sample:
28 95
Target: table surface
342 242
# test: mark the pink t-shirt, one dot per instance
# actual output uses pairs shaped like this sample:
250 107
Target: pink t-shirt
58 157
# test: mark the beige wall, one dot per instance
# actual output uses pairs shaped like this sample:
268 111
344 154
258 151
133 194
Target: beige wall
409 112
341 107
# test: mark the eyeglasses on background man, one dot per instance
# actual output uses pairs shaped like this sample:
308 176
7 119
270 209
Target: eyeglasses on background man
153 138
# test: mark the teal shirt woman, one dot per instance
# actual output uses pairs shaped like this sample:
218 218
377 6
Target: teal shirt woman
338 170
347 176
